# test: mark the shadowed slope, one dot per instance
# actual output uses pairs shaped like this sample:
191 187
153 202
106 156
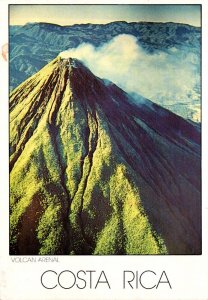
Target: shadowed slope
94 173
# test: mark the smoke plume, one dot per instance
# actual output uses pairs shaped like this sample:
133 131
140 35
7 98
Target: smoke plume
165 76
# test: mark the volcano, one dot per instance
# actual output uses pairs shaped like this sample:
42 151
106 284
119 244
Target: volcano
94 172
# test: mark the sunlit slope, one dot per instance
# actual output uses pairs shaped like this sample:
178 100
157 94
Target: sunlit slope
92 173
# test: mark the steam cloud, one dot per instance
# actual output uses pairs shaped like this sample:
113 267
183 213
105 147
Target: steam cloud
168 77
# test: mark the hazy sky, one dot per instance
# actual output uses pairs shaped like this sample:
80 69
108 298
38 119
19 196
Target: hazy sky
77 14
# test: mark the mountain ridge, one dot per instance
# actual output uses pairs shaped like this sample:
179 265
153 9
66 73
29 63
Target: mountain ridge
113 22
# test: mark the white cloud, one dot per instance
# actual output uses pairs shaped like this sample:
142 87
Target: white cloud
163 76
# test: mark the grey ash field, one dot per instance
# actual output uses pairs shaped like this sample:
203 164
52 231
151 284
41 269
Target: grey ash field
91 170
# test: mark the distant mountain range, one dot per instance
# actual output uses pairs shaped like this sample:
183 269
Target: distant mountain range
91 172
33 45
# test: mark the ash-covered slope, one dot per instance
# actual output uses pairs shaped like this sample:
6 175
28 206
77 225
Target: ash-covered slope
93 173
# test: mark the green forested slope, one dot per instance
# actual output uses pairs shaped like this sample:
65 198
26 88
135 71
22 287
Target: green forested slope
93 174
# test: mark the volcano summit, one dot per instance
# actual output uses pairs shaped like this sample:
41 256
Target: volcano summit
93 172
